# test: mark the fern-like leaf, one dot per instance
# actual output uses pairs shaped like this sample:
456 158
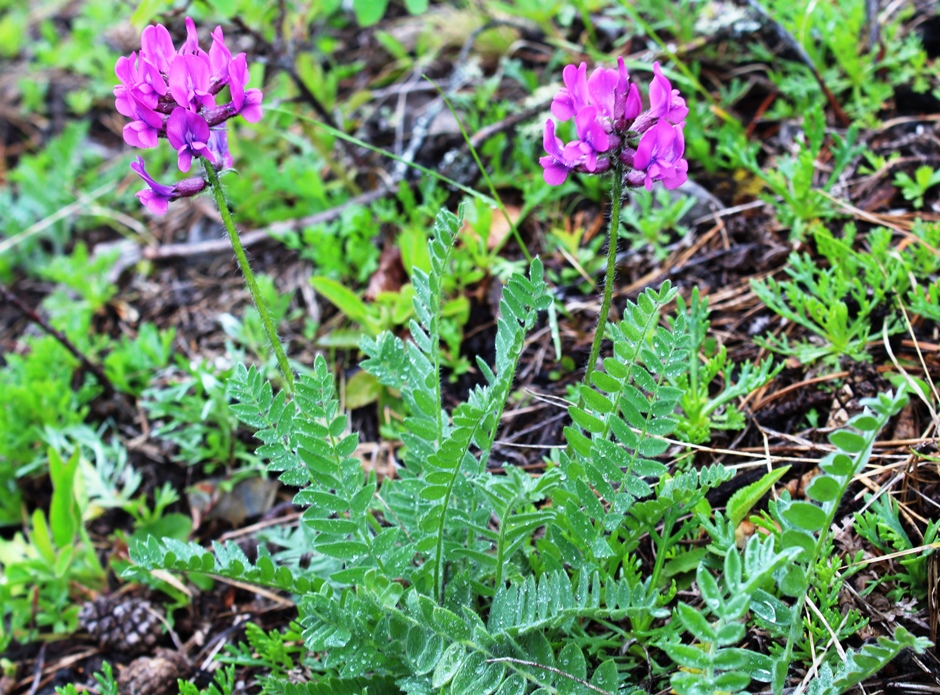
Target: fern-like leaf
225 560
413 368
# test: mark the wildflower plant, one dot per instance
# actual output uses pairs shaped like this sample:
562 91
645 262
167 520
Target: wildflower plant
616 136
451 577
173 94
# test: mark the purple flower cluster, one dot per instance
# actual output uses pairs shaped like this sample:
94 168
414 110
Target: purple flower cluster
610 123
172 93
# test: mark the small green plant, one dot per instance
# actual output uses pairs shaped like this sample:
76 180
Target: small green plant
837 304
799 202
45 573
815 298
841 304
34 216
652 216
881 526
451 578
702 411
193 413
914 189
106 683
861 76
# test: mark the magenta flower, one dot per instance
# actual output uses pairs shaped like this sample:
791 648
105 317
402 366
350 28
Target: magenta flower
145 129
603 88
608 113
556 166
157 47
659 154
188 133
665 101
218 146
592 140
160 80
190 46
247 103
189 80
574 95
219 57
126 71
633 104
157 196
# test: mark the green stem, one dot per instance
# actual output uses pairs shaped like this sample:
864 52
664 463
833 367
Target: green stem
250 280
616 193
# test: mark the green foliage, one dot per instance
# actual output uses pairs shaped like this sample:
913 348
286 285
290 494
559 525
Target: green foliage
225 560
701 410
712 663
83 275
859 664
44 573
132 362
793 179
345 249
926 301
369 12
743 500
860 76
193 413
881 526
106 683
841 303
818 300
463 573
223 684
652 217
38 398
29 205
803 527
390 310
914 189
404 572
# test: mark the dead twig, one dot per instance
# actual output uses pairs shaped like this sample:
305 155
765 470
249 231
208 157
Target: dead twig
9 296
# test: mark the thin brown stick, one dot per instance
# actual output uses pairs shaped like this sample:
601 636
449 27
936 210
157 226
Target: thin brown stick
9 296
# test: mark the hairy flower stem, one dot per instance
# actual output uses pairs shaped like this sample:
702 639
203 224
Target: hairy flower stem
616 193
250 280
